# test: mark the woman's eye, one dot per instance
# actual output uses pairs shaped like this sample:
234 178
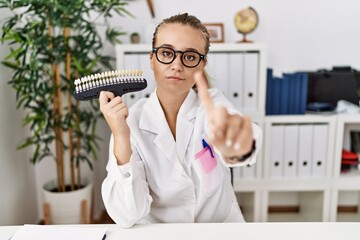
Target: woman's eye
190 57
167 54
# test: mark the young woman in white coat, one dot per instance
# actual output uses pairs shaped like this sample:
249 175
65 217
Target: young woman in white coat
170 154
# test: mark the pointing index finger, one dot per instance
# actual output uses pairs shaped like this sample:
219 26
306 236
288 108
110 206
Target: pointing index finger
204 95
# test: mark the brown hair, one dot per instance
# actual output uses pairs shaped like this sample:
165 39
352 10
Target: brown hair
188 20
191 21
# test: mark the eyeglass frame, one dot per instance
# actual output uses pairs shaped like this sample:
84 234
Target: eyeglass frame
202 56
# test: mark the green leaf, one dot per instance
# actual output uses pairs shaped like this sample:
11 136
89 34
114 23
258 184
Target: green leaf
34 57
10 64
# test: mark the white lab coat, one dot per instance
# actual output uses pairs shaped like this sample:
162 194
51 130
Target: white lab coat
164 182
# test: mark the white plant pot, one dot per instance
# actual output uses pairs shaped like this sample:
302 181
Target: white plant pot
65 207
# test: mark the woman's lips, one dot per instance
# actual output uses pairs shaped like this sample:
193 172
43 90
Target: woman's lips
175 78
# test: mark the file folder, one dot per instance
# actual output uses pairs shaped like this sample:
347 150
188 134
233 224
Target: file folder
218 70
305 150
303 92
285 97
248 171
319 150
251 77
236 79
276 95
290 150
276 151
236 171
269 90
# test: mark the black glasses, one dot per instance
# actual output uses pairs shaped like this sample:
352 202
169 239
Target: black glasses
167 55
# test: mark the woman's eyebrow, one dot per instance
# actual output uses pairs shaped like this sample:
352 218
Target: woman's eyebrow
167 45
186 49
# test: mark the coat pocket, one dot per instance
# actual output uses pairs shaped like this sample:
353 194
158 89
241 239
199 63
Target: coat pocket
210 171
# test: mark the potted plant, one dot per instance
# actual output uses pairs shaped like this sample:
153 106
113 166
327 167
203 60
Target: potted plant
53 42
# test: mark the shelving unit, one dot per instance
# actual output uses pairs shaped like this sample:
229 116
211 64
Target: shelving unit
309 187
346 186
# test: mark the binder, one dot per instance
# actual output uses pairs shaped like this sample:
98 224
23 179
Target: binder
248 171
269 90
285 84
303 92
276 95
251 81
297 88
236 79
292 94
290 150
210 67
276 151
219 71
319 155
236 171
305 150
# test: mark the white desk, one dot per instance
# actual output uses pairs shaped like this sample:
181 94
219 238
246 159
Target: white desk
226 231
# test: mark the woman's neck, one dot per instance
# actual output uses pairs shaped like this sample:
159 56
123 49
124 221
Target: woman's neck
171 104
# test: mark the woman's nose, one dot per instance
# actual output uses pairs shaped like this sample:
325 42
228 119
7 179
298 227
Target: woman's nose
177 63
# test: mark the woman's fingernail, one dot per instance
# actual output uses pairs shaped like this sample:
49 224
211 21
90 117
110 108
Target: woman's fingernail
228 143
237 146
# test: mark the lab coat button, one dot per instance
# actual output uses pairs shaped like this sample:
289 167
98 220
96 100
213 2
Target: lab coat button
127 174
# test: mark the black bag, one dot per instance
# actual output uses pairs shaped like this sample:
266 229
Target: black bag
326 88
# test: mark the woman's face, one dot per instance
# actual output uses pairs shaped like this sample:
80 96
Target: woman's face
175 78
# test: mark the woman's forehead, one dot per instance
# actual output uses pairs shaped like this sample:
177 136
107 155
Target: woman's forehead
180 36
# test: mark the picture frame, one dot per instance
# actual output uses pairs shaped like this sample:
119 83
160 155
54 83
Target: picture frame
216 32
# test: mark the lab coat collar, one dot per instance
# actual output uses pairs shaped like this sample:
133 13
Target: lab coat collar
152 119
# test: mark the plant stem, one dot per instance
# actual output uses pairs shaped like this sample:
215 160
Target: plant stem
58 119
50 34
78 145
69 110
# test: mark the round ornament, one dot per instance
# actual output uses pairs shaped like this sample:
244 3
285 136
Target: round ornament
246 21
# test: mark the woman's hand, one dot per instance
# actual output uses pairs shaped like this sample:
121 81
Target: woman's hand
115 112
231 134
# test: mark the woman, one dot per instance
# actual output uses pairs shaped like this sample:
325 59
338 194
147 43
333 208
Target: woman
170 154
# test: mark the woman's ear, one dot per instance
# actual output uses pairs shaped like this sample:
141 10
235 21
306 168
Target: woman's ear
152 59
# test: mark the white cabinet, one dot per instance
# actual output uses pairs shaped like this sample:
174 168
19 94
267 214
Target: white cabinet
297 176
239 70
297 186
345 199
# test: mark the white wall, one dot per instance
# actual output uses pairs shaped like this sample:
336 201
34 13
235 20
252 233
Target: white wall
18 203
299 34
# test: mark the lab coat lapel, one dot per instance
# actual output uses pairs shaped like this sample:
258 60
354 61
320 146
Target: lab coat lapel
185 124
153 120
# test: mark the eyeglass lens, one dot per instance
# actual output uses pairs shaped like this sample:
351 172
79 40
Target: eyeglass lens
167 55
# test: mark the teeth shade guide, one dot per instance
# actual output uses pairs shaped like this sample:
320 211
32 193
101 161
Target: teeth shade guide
118 81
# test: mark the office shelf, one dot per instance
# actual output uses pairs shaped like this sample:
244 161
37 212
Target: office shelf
310 187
